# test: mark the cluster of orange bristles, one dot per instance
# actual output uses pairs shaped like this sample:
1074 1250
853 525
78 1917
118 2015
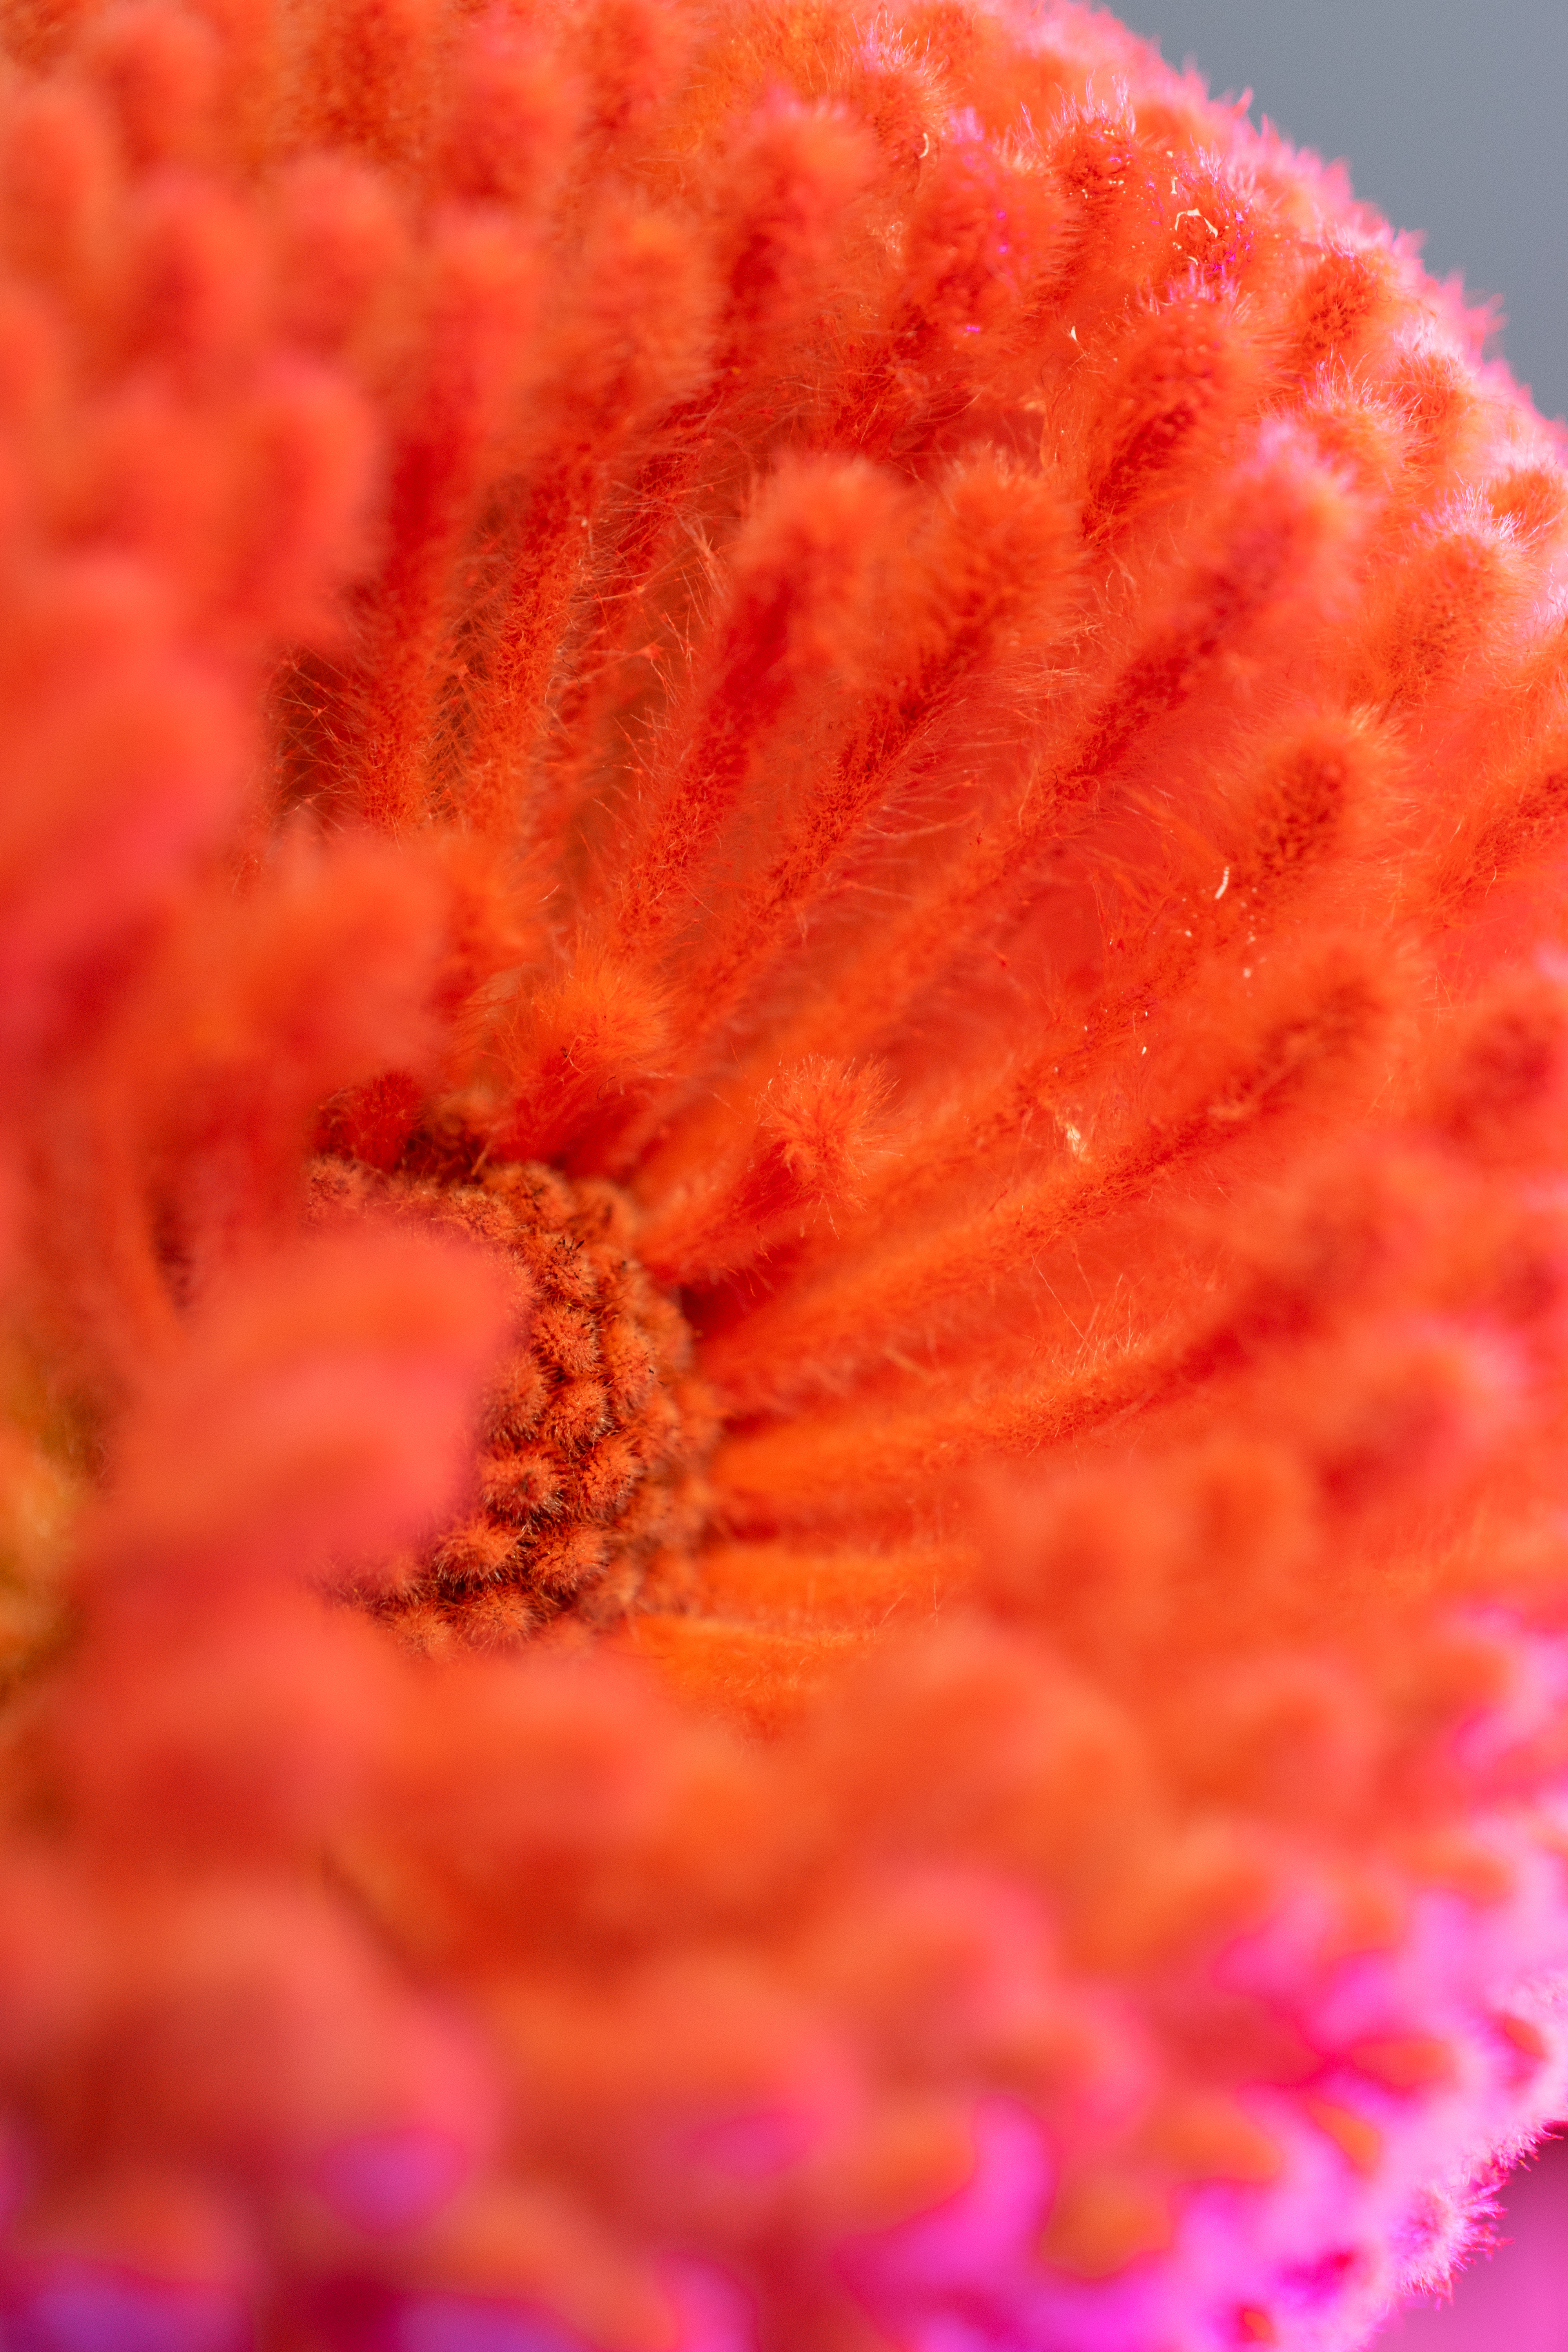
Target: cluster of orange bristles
784 993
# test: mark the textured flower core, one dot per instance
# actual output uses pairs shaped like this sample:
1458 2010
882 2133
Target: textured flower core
593 1435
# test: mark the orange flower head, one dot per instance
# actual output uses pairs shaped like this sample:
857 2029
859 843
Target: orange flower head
784 995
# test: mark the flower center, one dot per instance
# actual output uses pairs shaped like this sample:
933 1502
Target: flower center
590 1493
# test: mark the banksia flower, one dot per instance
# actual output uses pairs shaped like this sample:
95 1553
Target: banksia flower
785 1043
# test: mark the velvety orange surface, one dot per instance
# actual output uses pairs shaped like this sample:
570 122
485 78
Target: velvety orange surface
786 1036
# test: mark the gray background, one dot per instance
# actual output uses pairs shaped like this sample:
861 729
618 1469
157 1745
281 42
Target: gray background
1453 115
